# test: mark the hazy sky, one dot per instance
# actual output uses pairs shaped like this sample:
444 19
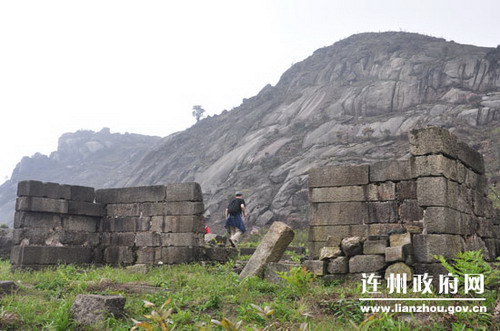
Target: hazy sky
140 66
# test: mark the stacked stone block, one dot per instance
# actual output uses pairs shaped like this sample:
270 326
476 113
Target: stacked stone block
437 196
55 224
152 224
358 255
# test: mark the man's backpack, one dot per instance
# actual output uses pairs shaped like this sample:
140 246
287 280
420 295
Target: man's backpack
234 207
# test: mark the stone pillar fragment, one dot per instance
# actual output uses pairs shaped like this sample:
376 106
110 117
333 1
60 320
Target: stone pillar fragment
271 249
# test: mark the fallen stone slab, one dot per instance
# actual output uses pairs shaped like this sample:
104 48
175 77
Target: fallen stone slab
271 249
89 309
7 286
138 268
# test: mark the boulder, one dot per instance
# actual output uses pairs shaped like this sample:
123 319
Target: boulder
327 253
89 309
352 246
399 269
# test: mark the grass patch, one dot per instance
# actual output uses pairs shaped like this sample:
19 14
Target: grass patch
196 295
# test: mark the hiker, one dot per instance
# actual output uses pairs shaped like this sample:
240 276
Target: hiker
234 222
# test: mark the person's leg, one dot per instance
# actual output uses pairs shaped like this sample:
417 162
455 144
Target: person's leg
235 235
232 231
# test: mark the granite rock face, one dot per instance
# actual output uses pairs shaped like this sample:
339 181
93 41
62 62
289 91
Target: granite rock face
347 103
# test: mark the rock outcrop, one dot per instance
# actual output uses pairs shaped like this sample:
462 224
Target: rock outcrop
351 102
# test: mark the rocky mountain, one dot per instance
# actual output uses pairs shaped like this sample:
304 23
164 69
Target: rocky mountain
352 102
82 158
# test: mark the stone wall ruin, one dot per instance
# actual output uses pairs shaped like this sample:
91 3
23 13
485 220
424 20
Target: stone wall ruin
402 211
364 218
66 224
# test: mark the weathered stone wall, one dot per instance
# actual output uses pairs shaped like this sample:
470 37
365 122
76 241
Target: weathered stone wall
152 224
55 224
438 196
73 224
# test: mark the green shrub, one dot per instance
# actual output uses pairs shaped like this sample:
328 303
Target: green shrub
299 278
344 310
382 321
470 262
157 318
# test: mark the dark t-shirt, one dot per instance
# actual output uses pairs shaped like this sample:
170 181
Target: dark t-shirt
240 202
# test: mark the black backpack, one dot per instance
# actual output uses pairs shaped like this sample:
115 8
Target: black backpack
234 207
